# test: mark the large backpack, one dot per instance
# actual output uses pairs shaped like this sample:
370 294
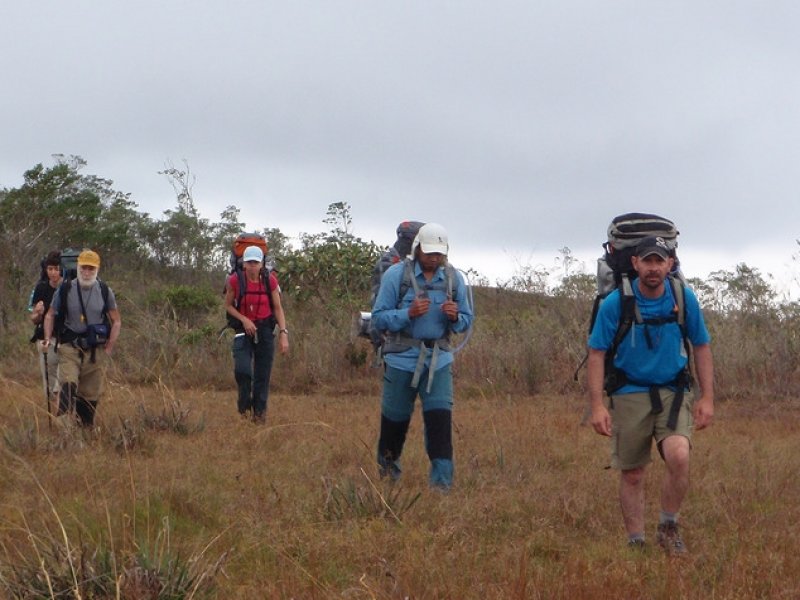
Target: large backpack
615 271
240 244
406 232
614 268
69 263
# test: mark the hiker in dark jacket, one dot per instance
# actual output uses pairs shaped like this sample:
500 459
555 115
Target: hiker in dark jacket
88 323
39 304
654 401
254 340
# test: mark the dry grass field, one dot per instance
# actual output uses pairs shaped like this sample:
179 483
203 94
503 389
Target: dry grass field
173 496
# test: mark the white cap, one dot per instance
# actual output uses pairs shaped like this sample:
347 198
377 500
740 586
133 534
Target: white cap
432 239
253 253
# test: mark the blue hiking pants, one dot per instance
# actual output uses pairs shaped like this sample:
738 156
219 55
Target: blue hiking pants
397 406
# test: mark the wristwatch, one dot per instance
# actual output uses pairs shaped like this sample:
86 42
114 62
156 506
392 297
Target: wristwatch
286 331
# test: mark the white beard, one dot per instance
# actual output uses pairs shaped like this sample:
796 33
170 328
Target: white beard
87 282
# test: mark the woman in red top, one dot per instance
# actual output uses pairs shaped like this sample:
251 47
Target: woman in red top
258 312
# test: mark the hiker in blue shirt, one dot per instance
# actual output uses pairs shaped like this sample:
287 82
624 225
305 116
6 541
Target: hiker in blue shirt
648 382
420 302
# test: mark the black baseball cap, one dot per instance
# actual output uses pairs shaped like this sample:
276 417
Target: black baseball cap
653 245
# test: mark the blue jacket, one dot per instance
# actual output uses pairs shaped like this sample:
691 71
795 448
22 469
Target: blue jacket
390 312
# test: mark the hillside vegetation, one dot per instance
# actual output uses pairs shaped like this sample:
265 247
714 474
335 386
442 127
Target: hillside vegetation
168 276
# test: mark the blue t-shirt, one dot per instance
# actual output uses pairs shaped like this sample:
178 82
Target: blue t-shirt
391 313
659 360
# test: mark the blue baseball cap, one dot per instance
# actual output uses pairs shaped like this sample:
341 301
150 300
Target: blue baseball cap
253 253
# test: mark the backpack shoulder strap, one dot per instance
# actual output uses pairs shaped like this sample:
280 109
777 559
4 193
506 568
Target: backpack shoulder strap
408 280
678 288
678 293
104 292
449 275
242 284
63 293
628 315
61 317
265 274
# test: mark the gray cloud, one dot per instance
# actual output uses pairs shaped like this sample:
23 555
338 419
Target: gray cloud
521 127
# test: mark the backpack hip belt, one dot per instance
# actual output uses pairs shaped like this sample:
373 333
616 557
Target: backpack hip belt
681 382
401 341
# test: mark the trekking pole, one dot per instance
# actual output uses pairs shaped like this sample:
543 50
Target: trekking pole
46 381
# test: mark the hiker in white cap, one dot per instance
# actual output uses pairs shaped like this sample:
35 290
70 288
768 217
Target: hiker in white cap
420 302
254 302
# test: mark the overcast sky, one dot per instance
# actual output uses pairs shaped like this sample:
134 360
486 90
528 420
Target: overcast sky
522 127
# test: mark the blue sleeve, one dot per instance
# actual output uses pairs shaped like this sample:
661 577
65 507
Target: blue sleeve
606 323
385 313
695 323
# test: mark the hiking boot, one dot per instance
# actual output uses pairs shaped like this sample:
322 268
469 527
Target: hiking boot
637 545
259 418
390 470
440 488
669 538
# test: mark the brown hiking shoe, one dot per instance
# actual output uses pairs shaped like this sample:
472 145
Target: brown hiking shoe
669 538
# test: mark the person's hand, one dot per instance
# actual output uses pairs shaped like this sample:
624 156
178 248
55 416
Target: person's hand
601 420
108 348
450 309
44 345
38 310
249 326
283 343
419 306
703 413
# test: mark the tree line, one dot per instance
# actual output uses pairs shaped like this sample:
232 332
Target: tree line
59 207
168 273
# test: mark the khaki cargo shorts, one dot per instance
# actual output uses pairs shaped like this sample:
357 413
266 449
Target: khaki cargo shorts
634 426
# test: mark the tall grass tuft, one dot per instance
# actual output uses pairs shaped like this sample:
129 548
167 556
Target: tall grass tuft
346 499
60 557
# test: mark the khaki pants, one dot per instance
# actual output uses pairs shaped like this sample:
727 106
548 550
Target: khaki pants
76 366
